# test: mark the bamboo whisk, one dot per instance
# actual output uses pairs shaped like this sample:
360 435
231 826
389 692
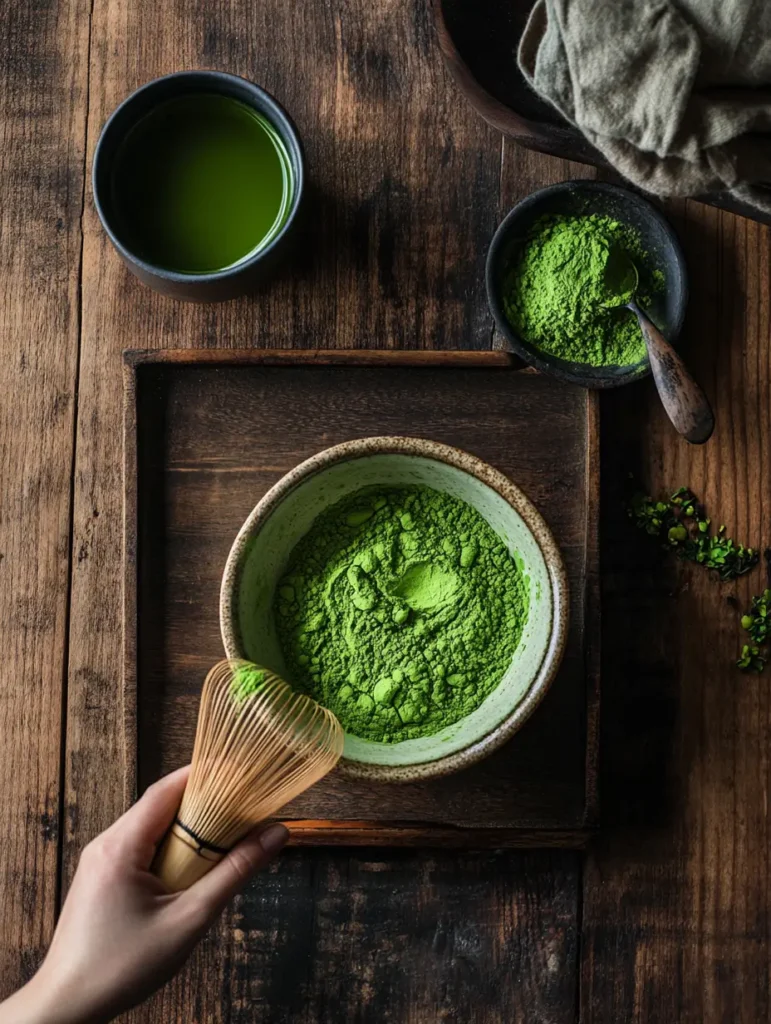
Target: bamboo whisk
256 748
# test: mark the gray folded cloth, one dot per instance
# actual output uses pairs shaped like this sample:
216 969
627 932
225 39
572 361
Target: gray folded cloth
675 93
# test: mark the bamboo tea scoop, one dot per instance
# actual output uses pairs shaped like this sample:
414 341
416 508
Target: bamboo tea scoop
684 401
258 745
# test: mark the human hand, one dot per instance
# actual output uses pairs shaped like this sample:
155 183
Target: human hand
121 934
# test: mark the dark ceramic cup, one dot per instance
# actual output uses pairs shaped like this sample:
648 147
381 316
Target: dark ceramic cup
216 285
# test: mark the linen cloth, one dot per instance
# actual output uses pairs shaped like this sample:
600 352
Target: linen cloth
676 94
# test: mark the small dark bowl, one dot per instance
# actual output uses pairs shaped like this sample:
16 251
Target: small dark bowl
667 310
213 286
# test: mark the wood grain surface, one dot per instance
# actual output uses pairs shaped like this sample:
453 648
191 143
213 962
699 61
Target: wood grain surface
43 71
405 180
677 907
670 924
407 938
207 440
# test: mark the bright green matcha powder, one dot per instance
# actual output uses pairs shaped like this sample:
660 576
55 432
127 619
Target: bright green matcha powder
556 296
400 611
247 680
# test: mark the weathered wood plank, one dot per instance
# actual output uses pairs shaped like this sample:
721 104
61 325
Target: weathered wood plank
677 909
43 72
398 938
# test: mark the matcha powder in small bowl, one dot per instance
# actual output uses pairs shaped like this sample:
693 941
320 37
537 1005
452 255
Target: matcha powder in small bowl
552 277
400 611
555 292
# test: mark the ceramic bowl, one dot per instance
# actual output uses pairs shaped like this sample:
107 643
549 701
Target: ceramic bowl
667 309
216 285
262 548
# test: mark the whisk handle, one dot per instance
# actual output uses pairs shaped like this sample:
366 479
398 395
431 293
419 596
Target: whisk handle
182 859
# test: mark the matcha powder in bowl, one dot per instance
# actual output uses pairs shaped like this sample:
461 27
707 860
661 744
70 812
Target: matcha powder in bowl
555 293
412 589
550 277
400 611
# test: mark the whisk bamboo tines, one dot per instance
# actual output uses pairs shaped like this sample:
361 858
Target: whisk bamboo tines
258 745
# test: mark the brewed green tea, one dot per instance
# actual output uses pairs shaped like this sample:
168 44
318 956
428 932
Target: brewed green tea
201 182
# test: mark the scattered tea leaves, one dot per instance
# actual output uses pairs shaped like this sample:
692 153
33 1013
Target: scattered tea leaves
752 659
682 524
757 622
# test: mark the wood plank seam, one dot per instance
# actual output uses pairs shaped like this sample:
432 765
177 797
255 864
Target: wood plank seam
62 797
130 564
593 611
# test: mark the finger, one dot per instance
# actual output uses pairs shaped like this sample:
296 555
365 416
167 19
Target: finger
145 824
253 853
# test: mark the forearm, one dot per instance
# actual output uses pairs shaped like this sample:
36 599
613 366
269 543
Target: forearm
38 1003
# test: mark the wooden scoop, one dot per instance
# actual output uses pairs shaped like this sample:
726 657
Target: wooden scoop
685 403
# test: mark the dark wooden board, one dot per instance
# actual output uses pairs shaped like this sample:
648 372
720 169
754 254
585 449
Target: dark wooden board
208 434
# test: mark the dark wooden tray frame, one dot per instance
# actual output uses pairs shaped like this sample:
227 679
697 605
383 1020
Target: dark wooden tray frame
365 833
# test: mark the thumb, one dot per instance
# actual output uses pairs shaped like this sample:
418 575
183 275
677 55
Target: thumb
231 874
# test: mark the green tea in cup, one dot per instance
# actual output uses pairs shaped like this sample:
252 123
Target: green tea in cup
200 183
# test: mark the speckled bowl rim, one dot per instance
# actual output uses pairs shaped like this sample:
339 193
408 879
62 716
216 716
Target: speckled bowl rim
496 481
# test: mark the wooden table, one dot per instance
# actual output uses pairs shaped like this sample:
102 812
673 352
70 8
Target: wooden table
667 918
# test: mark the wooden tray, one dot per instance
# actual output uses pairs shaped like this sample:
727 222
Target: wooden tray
208 432
479 41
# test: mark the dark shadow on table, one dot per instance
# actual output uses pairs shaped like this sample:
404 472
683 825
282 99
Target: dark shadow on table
639 682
